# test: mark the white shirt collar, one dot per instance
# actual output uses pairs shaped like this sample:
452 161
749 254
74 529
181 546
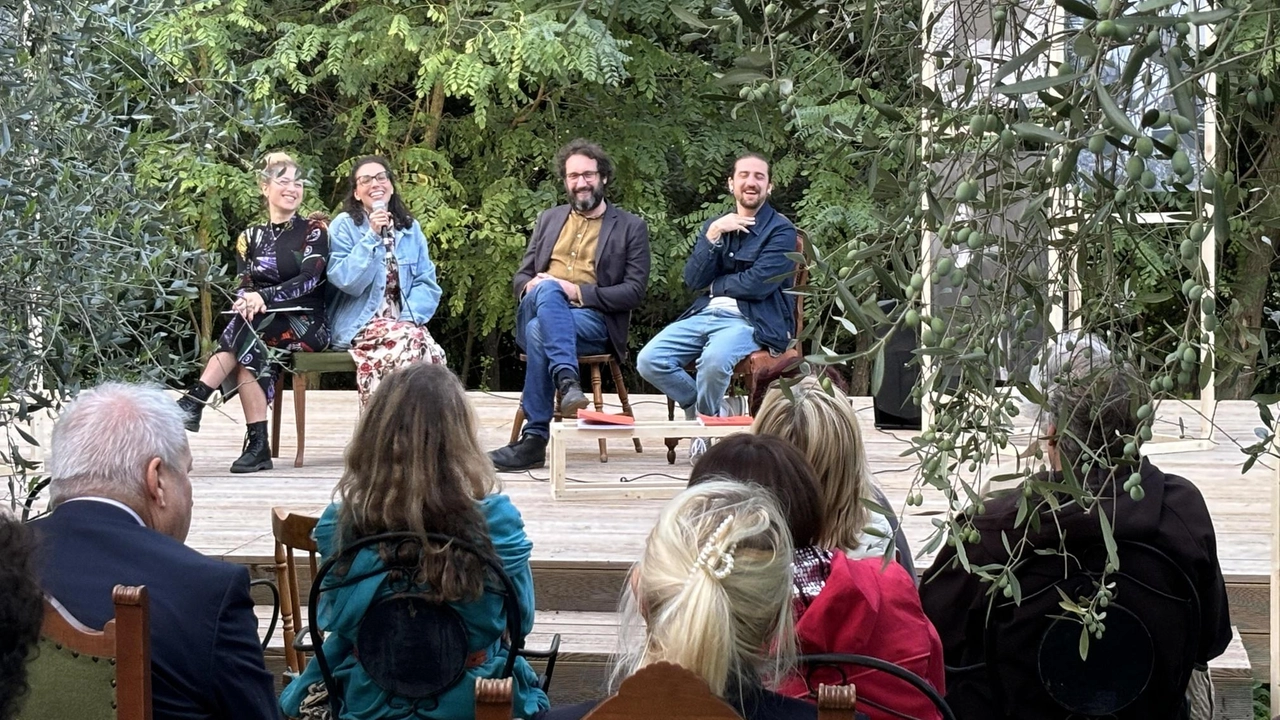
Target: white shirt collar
109 501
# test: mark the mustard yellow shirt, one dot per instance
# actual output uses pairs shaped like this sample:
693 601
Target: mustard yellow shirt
574 256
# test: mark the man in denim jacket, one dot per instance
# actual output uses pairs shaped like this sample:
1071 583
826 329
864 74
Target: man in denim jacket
739 263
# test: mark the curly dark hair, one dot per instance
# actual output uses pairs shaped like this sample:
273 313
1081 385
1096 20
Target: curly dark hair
585 148
21 612
353 207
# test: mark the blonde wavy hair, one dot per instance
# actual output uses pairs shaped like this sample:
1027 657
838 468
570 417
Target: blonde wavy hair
823 425
712 592
414 464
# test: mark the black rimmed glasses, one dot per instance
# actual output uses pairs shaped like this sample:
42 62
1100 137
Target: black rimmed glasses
589 176
364 180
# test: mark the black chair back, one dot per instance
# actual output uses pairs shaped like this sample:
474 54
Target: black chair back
411 645
837 662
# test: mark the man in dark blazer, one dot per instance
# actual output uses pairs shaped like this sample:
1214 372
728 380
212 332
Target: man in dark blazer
121 500
585 270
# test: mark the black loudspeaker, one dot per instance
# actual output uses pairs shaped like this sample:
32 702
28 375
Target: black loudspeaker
893 407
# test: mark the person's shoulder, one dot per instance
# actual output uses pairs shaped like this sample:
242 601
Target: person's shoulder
626 215
775 706
500 512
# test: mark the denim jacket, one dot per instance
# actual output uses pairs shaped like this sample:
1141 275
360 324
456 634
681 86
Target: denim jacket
752 267
358 277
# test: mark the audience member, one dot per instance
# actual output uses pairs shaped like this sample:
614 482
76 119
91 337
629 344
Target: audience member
712 593
121 499
279 304
585 270
863 607
384 283
21 612
739 265
414 465
824 427
1164 542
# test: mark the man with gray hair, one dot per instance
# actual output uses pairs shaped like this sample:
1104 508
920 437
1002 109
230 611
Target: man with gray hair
1131 548
121 508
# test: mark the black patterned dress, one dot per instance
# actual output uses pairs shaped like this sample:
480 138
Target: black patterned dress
285 264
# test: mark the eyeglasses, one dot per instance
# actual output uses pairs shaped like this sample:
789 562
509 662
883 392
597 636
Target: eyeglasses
286 183
589 176
364 180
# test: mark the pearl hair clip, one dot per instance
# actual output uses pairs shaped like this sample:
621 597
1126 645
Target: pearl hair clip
715 560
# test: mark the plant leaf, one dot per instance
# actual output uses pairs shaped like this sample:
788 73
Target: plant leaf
1037 84
1118 119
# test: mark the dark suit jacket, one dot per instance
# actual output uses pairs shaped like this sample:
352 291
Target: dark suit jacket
206 660
621 263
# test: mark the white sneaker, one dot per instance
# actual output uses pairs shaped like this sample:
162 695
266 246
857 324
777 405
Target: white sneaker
697 447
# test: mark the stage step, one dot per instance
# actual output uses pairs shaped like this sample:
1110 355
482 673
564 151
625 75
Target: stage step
569 586
587 639
1232 676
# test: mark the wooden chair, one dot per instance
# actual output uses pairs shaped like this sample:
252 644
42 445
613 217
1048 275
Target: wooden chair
304 366
292 533
661 690
757 370
87 674
593 364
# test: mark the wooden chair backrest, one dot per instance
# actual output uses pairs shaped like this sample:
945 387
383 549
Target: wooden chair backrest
661 690
292 533
66 642
802 278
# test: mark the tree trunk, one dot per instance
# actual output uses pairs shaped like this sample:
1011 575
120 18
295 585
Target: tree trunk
436 109
1253 271
206 302
492 379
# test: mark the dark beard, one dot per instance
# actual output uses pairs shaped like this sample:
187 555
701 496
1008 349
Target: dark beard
760 198
597 196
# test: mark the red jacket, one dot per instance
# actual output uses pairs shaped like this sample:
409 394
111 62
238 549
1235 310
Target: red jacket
867 609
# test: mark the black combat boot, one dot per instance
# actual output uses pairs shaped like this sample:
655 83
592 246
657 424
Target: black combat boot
257 450
192 405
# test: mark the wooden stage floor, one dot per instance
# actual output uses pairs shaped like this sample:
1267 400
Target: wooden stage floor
232 518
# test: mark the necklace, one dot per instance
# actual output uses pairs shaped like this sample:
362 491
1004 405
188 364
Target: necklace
275 234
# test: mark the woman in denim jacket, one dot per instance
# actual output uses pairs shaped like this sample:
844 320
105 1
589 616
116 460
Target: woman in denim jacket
383 280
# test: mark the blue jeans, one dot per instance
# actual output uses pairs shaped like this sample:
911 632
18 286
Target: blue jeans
552 334
716 339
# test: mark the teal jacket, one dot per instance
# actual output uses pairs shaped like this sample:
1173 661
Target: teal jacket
341 611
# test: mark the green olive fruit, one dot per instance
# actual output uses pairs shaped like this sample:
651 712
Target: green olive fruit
1189 355
1106 28
1097 143
1180 124
937 325
911 318
966 191
1137 493
1148 179
917 281
1007 139
1145 146
945 265
1135 167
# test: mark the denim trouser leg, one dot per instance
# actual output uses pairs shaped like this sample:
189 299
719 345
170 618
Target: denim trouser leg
553 334
716 339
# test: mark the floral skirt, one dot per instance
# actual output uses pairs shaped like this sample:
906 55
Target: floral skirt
385 345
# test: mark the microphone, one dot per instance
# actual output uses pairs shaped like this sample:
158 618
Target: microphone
386 229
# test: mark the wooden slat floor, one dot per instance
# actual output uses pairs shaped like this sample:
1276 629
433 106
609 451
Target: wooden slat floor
573 538
231 511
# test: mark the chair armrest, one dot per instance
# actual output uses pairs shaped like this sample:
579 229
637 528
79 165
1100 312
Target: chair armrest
550 655
275 608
